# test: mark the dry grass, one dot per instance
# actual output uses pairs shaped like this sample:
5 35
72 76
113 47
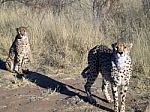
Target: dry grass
62 41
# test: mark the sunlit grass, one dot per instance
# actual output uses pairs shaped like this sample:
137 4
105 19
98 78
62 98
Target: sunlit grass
63 41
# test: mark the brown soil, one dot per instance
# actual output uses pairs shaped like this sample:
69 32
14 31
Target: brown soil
56 93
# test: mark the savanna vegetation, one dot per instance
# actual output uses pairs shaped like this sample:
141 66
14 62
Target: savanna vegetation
63 31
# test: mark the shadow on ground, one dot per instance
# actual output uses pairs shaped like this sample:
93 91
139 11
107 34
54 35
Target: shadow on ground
2 65
49 83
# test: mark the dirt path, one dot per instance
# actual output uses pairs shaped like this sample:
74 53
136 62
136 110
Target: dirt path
47 95
41 93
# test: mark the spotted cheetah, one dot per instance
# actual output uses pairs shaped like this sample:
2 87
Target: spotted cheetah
116 69
19 53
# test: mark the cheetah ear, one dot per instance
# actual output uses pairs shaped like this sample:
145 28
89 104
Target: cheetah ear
130 45
17 29
114 46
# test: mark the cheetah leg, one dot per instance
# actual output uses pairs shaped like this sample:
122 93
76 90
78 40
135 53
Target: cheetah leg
25 65
105 85
18 66
9 64
123 97
115 95
90 81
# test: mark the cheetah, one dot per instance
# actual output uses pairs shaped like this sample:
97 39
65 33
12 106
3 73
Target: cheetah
116 69
19 53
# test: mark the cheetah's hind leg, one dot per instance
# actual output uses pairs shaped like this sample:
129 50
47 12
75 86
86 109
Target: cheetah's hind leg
90 81
9 65
85 72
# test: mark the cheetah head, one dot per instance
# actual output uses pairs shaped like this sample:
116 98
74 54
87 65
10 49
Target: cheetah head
122 49
22 32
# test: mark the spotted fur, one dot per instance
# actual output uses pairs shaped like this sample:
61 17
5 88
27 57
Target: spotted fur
19 53
116 69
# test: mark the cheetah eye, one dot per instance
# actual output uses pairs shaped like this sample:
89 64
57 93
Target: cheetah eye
125 47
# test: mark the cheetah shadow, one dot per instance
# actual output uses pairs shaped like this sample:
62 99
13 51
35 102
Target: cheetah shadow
62 88
2 65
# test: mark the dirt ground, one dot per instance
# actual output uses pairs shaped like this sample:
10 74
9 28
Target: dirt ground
56 93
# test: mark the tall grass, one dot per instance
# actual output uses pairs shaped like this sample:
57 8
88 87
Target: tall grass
63 41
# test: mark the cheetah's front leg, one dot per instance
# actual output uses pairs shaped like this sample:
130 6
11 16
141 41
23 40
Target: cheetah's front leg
123 97
25 65
115 95
18 66
105 85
